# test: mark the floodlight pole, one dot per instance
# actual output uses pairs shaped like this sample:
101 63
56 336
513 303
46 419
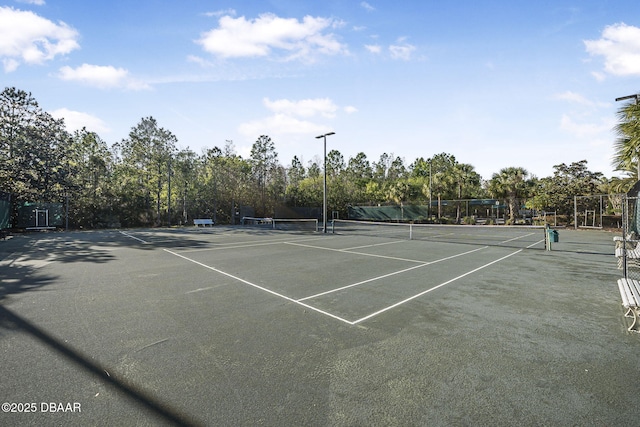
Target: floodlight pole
324 192
624 98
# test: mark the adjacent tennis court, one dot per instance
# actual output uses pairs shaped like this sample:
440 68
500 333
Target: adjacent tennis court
256 325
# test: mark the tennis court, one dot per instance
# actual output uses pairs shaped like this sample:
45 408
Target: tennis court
353 278
255 325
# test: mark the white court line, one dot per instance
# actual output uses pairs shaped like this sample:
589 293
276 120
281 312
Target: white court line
259 287
227 245
536 243
390 274
516 238
198 290
134 237
432 289
376 244
326 313
249 244
353 252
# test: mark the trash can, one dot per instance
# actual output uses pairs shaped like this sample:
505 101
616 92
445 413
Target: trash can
552 235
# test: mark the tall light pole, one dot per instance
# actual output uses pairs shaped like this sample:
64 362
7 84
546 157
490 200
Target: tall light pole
324 193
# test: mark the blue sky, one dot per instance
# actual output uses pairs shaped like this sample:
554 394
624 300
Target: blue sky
495 83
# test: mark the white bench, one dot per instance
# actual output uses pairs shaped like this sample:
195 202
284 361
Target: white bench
630 294
632 255
203 222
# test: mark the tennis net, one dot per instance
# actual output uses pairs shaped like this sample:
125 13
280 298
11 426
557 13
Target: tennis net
520 236
289 224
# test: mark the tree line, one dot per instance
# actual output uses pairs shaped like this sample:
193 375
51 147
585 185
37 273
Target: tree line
145 180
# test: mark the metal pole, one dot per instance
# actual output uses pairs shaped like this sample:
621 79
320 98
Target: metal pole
169 194
575 212
324 192
324 189
430 197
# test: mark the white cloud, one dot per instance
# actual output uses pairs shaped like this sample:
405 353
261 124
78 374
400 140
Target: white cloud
198 60
620 47
28 38
278 124
373 48
239 37
577 98
402 50
293 117
219 13
10 64
76 120
35 2
366 6
573 97
303 108
101 76
350 109
587 130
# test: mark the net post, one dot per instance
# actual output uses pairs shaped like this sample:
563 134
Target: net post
410 231
547 238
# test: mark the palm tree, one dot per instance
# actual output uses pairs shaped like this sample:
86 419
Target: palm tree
513 184
627 145
466 180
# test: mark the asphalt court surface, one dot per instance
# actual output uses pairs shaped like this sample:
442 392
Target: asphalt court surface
350 278
251 326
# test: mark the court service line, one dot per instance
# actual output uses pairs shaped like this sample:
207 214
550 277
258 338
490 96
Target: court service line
354 252
269 291
390 274
355 322
249 244
376 244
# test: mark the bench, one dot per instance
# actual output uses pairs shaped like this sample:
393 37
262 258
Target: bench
630 294
203 221
632 255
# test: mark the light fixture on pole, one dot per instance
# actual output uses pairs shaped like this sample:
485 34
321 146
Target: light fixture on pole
624 98
324 192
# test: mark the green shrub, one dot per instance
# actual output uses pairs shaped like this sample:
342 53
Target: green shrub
469 220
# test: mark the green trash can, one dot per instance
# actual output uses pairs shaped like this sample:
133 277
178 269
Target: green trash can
552 236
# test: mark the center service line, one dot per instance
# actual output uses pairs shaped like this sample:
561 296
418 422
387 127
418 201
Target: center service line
432 289
516 238
424 264
260 287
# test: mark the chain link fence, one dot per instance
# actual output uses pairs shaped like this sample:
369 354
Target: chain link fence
627 245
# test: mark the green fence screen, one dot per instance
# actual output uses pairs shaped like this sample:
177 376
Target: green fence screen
5 211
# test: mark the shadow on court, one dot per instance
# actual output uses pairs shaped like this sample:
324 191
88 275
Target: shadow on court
161 410
536 339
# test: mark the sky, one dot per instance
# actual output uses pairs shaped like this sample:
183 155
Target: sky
496 83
